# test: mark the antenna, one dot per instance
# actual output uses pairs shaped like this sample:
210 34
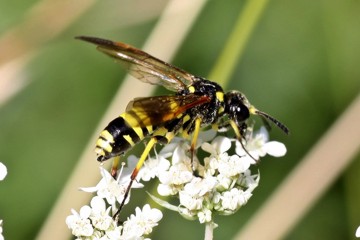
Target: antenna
276 122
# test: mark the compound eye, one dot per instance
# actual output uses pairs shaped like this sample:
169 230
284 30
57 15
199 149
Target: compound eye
242 112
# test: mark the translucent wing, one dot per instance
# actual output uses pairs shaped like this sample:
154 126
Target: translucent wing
144 66
157 110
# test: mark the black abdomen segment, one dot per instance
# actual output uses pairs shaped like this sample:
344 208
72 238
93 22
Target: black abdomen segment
119 136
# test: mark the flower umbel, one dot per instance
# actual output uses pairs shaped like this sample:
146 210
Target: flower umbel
222 183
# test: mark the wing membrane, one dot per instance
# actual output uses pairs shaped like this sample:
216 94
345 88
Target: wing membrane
160 109
143 66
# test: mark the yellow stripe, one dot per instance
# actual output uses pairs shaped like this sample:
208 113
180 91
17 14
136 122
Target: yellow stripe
129 140
149 128
132 122
252 110
139 132
160 131
99 151
220 96
186 118
191 89
106 135
221 110
129 119
101 143
169 136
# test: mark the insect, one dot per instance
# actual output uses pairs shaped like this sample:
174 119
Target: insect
197 103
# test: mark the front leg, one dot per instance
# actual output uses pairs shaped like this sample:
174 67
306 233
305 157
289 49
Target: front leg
194 140
134 174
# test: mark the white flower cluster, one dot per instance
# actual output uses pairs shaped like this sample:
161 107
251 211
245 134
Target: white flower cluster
96 222
357 233
221 184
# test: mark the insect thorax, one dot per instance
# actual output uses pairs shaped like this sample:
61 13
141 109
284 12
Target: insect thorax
210 112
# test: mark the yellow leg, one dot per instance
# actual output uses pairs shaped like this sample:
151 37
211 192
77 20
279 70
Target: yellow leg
143 157
115 166
236 130
135 172
240 137
195 137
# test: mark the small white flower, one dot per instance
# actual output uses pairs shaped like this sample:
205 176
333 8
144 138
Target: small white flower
205 215
224 182
113 234
232 200
153 166
180 154
112 190
141 223
191 202
357 234
275 149
180 173
3 171
172 181
233 165
100 216
80 223
190 197
258 146
220 145
248 181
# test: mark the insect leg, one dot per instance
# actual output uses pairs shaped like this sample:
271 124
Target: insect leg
194 138
236 129
135 172
115 166
239 131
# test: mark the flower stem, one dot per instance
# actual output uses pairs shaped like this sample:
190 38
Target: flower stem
235 45
209 230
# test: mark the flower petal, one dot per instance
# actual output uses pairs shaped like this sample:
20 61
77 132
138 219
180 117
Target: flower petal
274 148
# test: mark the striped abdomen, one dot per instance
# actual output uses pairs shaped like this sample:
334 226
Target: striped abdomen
121 134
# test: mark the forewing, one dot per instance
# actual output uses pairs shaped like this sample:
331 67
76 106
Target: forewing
160 109
143 66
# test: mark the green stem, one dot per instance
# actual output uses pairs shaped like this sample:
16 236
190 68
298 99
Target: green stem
237 40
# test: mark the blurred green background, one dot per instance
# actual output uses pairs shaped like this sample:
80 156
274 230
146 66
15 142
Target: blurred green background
301 65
